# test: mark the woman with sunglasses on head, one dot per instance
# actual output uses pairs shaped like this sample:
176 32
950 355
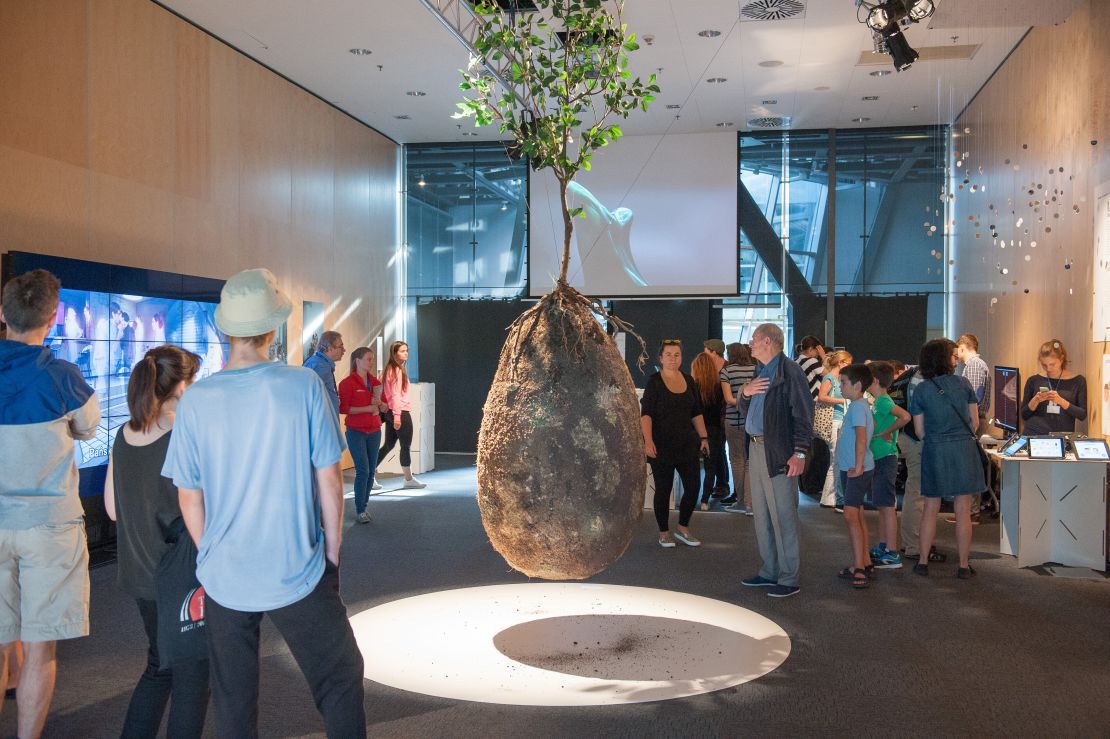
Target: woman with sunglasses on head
398 421
360 395
674 435
1054 400
144 505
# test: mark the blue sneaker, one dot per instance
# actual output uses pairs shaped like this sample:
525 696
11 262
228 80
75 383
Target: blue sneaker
876 552
759 582
888 560
783 591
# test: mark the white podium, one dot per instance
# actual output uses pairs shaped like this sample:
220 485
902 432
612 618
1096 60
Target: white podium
423 395
1054 511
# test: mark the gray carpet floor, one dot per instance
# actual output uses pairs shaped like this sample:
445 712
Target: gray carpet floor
1015 652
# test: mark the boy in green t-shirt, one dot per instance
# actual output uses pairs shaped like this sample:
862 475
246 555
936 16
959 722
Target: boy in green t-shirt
884 447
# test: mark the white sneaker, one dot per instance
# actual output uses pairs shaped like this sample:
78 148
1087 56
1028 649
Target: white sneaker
363 517
376 485
413 484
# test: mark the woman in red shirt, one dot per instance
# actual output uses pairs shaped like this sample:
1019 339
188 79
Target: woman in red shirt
360 395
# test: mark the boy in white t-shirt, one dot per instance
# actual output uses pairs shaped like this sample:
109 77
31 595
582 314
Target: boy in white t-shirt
856 465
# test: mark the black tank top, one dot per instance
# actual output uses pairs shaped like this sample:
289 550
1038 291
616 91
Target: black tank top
146 509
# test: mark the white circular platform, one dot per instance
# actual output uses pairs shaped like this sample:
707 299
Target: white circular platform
566 644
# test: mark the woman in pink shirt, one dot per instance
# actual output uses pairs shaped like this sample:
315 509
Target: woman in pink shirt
398 422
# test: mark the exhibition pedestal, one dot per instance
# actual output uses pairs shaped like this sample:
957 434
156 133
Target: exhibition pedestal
423 395
1054 511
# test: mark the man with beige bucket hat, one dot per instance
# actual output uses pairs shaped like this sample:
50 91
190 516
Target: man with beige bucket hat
255 456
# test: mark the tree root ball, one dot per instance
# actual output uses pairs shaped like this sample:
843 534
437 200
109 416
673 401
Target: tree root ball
561 471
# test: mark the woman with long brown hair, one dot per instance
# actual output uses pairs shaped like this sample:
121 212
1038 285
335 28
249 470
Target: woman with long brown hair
707 378
360 401
148 519
398 420
737 373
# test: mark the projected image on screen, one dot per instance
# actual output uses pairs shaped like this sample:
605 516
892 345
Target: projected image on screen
1007 381
106 334
658 219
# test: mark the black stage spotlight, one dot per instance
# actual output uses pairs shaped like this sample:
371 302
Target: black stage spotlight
900 50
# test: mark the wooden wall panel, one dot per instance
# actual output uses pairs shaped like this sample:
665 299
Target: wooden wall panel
131 91
128 136
43 78
1025 144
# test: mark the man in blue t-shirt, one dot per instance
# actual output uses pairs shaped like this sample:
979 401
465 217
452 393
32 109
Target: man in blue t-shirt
255 456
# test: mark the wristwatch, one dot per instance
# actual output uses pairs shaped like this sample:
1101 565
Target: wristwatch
800 455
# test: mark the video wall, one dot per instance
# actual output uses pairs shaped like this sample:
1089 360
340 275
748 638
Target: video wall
109 316
107 334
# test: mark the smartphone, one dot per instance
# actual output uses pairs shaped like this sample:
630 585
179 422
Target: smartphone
1043 389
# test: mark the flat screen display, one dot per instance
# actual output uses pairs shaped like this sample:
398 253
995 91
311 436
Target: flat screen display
107 334
1007 398
1046 448
1015 446
658 219
1091 450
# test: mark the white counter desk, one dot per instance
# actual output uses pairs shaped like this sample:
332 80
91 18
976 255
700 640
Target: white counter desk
1054 511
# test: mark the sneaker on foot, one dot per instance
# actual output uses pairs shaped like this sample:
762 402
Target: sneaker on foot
688 539
888 560
666 543
363 517
413 484
839 509
783 591
736 508
376 485
758 582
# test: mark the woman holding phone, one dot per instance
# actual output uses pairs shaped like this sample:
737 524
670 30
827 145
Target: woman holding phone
1055 399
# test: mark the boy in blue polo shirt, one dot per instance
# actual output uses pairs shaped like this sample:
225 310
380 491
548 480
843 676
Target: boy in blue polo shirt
856 465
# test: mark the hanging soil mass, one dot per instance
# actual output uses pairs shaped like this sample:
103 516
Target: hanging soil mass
561 470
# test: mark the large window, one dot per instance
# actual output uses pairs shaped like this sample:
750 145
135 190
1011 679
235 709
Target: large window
467 221
889 235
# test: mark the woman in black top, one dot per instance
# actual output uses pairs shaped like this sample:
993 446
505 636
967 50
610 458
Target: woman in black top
674 432
144 505
1055 400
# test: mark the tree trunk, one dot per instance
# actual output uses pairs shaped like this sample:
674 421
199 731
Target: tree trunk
568 231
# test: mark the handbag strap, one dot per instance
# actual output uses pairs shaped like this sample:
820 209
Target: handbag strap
961 416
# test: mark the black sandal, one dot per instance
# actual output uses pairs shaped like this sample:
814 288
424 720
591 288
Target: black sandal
935 556
920 569
859 576
966 573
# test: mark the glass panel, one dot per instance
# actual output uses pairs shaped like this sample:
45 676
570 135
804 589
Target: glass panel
467 221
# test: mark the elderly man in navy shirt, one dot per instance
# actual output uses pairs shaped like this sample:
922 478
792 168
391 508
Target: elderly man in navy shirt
779 411
329 350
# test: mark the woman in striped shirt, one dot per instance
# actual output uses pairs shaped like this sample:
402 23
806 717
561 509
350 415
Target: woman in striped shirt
737 373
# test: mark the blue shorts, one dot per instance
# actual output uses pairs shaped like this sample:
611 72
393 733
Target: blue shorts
856 488
882 483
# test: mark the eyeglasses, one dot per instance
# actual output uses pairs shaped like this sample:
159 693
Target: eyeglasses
672 342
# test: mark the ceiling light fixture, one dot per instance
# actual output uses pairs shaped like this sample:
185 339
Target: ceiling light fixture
771 63
416 93
725 124
709 33
888 19
421 182
870 98
822 88
769 102
673 106
361 52
861 119
403 117
880 73
717 80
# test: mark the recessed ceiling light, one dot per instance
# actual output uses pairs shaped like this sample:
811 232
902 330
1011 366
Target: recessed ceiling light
672 106
361 52
861 119
771 63
769 102
416 93
716 80
880 73
469 133
822 88
725 124
870 97
403 117
709 33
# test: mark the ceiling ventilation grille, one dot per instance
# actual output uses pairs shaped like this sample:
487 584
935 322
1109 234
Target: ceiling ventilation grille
772 10
770 121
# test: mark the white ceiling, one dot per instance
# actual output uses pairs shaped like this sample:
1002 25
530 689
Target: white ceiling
308 42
